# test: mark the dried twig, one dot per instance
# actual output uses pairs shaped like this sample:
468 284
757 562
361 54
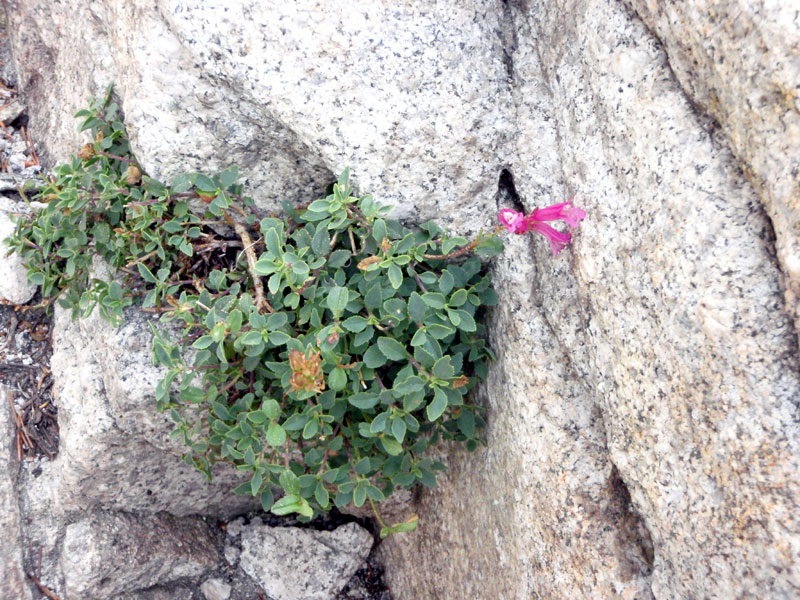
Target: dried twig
6 132
471 246
47 592
26 137
142 258
260 299
115 157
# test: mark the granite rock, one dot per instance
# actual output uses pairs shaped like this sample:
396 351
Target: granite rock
383 89
115 451
541 511
215 589
14 285
13 583
292 563
642 438
739 62
106 554
165 592
671 308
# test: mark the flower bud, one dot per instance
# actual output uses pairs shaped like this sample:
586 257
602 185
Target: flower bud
133 175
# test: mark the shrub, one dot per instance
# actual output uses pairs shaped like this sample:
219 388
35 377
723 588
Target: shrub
323 351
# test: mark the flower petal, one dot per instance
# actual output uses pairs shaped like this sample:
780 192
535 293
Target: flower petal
548 213
558 241
514 221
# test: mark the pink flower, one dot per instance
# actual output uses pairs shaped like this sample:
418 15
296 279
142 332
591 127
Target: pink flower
515 222
558 241
571 215
564 211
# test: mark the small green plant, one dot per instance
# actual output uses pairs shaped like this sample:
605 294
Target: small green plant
321 352
330 382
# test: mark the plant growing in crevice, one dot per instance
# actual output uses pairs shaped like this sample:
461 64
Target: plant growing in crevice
322 352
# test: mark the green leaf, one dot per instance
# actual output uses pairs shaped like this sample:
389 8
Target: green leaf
337 300
204 183
288 504
279 338
355 324
419 338
467 323
276 435
375 493
434 300
338 258
115 290
466 423
273 243
374 358
274 283
337 380
408 386
311 429
458 298
251 338
446 282
344 178
379 230
454 317
360 494
395 276
296 422
162 355
234 320
490 247
321 242
443 369
437 406
289 482
271 408
363 466
417 307
255 483
391 446
146 273
321 495
391 348
399 429
221 411
440 331
229 176
363 400
266 499
277 320
450 244
265 266
320 206
409 525
257 417
374 298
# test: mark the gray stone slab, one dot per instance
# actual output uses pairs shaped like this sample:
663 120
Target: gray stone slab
106 554
13 582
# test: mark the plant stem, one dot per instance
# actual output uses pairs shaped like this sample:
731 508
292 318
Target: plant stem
471 246
377 514
115 157
261 299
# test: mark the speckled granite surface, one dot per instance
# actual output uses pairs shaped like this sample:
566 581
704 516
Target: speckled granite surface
13 583
643 437
292 92
668 317
739 61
